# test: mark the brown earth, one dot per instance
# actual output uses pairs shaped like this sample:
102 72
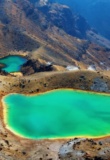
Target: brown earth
34 32
50 33
13 147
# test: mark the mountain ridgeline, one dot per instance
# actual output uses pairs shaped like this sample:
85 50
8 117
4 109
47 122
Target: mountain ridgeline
52 32
96 13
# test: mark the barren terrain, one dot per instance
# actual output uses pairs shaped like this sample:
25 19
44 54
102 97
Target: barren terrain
15 148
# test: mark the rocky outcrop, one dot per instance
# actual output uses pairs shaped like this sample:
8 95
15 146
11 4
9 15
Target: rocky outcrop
33 66
85 149
99 85
62 17
4 73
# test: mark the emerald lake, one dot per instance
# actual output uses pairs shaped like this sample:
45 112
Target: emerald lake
12 63
60 113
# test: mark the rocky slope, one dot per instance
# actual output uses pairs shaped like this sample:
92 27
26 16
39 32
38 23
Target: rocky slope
97 14
95 11
85 149
39 30
51 32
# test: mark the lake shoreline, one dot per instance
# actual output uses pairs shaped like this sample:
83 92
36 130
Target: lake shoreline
70 91
53 81
12 63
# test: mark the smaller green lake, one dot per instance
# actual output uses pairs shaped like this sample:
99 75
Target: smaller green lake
12 63
58 114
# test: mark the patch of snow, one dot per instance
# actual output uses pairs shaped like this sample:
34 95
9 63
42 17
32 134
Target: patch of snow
43 2
79 40
108 68
48 63
101 63
72 68
91 68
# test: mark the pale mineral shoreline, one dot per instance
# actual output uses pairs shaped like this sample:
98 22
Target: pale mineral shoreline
13 132
34 84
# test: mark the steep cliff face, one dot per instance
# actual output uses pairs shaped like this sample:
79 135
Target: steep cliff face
45 15
62 17
95 11
51 32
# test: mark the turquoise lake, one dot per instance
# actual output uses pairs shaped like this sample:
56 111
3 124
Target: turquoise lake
58 114
12 63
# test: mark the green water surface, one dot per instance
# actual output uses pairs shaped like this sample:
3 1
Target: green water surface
58 114
12 63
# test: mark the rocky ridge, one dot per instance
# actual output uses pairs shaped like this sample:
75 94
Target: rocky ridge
52 32
32 27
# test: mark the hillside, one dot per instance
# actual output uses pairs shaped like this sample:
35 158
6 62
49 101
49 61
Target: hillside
53 40
96 13
51 32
